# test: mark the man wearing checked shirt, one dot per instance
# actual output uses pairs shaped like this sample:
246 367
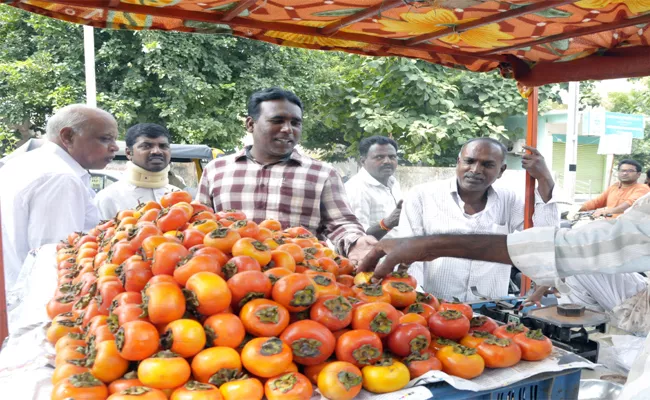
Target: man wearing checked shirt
272 180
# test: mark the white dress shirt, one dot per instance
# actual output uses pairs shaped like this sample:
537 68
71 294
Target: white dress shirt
123 195
436 208
371 200
45 196
613 246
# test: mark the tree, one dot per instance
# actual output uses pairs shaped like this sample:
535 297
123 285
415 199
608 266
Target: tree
634 102
197 86
430 110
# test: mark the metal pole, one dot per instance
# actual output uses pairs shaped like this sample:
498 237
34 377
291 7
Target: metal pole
571 149
89 56
529 207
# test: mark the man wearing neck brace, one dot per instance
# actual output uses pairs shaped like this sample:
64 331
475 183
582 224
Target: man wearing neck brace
146 175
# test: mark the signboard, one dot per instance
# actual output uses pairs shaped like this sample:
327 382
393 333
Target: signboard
619 123
593 123
601 123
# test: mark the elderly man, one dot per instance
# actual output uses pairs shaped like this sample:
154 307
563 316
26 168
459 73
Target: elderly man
146 176
374 193
547 254
469 203
46 193
621 195
271 179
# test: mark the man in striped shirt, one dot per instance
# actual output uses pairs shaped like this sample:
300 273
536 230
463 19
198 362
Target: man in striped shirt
272 180
546 255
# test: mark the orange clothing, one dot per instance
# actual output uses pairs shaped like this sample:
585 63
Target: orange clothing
616 195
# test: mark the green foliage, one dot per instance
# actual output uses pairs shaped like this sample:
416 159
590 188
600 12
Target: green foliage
197 86
430 110
634 102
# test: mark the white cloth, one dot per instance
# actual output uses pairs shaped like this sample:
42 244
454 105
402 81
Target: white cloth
123 195
436 208
617 246
45 196
371 200
602 292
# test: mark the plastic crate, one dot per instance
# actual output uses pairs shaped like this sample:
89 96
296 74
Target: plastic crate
551 385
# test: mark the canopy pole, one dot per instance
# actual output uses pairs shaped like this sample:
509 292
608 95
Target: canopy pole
529 207
4 328
89 58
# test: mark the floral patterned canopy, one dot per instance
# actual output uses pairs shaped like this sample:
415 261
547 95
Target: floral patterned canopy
534 41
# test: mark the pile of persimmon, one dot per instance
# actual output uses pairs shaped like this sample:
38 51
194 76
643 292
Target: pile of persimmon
173 300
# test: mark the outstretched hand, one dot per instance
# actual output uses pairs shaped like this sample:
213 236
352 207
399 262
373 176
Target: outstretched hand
396 251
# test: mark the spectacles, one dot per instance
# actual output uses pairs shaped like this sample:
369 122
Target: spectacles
627 171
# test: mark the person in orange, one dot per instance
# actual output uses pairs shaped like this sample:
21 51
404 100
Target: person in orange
620 196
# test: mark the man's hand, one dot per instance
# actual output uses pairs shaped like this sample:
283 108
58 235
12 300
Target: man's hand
393 219
359 249
397 251
534 163
491 248
536 298
600 212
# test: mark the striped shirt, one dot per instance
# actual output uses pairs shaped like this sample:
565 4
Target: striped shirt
612 246
436 208
297 191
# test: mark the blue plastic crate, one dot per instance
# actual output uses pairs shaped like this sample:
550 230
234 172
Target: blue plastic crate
562 385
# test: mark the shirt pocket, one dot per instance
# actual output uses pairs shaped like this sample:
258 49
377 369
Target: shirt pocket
499 229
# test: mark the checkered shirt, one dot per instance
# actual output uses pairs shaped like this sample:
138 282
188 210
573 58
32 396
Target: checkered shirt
297 191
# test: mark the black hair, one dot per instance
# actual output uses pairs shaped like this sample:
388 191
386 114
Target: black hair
366 143
631 162
274 93
152 131
647 173
501 146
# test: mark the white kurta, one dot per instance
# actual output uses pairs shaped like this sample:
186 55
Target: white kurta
618 246
45 196
436 208
369 199
123 195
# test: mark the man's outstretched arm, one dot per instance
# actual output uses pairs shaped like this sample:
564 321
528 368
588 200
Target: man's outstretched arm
492 248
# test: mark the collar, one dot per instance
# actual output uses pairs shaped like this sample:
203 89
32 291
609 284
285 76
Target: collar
453 188
66 157
142 178
245 154
370 180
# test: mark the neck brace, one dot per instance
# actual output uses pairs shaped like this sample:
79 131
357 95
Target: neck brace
141 177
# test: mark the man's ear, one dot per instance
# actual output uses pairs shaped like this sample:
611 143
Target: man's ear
503 169
250 124
129 153
66 135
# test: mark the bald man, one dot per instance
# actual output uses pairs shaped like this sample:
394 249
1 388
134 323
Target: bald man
46 193
468 203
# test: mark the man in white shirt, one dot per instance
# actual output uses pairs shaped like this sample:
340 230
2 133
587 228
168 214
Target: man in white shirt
374 194
146 177
46 192
469 203
546 255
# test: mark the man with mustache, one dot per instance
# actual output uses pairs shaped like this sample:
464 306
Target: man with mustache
46 193
374 193
273 180
146 175
470 204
